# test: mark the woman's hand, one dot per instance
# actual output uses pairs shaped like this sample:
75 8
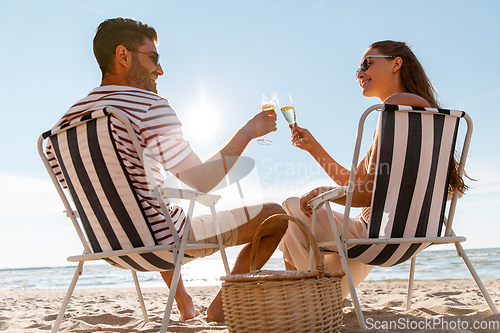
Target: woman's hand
304 206
299 132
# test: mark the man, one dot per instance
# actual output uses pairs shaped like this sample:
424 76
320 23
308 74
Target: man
127 55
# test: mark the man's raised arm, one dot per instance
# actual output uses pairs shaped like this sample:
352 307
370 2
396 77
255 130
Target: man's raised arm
204 176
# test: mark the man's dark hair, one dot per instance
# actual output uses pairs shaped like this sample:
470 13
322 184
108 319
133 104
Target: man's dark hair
119 31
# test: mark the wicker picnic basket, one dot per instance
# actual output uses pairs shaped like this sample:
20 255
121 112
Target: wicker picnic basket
283 301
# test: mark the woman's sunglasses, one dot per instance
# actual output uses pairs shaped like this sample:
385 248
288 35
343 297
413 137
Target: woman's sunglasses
365 64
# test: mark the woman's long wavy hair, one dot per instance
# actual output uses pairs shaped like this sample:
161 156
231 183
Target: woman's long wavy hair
416 81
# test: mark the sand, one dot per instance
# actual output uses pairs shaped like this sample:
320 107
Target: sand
442 306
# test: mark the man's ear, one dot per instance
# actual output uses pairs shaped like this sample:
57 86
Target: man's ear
398 62
122 56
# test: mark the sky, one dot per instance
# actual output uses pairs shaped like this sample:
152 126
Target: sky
219 57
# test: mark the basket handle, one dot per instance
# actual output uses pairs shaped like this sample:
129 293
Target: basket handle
310 237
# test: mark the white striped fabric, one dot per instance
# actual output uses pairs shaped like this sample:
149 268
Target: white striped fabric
106 200
411 181
160 134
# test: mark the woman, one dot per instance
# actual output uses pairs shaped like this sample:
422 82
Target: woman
390 71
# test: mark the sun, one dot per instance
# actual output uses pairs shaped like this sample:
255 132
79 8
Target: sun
201 126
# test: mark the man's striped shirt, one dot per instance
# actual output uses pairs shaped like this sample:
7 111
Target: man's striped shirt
160 134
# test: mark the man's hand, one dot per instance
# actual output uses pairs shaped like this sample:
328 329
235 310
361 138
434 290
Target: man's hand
261 124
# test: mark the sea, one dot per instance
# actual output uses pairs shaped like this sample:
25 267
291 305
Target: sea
430 265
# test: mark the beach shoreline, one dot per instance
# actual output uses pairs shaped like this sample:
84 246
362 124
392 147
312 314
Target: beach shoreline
438 305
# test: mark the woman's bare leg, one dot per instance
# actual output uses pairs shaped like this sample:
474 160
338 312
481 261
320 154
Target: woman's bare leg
289 267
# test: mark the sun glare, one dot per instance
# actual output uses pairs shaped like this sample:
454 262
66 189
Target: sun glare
201 126
203 120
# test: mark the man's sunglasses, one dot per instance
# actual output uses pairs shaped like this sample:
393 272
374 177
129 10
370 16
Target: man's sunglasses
365 64
153 55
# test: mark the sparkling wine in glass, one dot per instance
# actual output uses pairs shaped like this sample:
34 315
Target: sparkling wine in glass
285 104
268 104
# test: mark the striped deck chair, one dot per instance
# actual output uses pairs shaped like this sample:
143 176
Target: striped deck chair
106 206
409 199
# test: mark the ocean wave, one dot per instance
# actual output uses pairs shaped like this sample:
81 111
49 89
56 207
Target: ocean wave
430 265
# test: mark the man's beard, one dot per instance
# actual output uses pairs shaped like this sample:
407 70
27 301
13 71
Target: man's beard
139 77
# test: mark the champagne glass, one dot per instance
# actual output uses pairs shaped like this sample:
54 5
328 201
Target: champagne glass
268 104
285 104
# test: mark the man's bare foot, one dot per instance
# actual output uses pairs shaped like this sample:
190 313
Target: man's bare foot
215 313
186 308
188 314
